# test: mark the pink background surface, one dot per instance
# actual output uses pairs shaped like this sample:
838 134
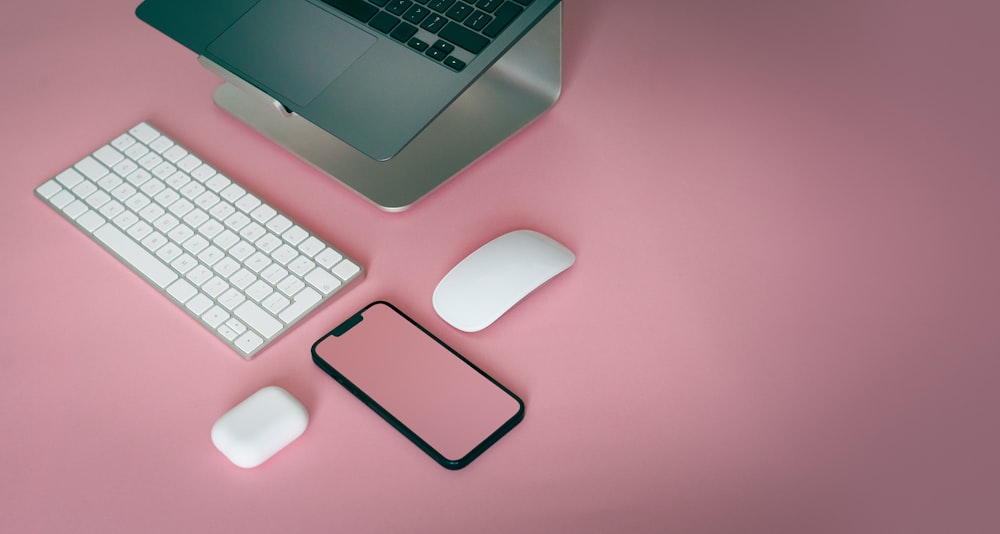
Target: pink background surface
783 317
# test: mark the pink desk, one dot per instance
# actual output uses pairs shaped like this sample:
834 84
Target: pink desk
783 318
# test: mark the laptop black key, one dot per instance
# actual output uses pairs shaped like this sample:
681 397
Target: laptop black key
434 23
383 22
464 37
398 7
416 14
417 44
436 53
440 5
488 6
444 46
403 32
459 11
454 63
358 9
505 14
478 20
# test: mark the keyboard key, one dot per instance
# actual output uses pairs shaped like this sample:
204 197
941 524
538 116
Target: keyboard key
110 181
258 290
328 258
215 316
75 209
278 224
236 325
203 173
108 155
322 280
358 9
275 303
459 11
444 46
150 161
144 132
182 290
268 243
62 198
403 32
91 168
130 251
123 141
464 37
175 154
248 342
69 178
434 23
231 298
273 273
98 199
398 7
440 5
257 318
290 285
504 15
189 163
247 203
303 302
311 246
84 189
383 22
346 269
90 220
125 168
225 331
436 53
199 304
478 20
263 213
252 232
488 5
294 235
417 44
112 209
301 265
416 14
454 63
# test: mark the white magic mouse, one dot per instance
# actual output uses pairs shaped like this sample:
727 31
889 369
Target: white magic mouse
495 277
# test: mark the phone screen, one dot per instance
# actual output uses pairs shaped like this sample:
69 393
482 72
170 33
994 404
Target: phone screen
440 401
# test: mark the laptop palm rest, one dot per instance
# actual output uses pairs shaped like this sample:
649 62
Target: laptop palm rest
518 88
297 64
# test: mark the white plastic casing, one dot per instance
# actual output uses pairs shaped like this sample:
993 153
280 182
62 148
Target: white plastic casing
491 280
260 426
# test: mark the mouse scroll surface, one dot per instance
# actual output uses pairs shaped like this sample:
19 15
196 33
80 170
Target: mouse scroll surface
494 278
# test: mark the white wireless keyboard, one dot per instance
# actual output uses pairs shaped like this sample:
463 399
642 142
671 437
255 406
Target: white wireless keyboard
228 259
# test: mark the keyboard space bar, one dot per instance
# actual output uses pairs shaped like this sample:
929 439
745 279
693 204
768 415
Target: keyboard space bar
132 253
358 9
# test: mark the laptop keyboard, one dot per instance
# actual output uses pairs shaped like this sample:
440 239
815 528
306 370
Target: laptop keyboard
451 32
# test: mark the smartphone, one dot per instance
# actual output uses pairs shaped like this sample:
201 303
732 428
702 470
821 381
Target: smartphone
435 397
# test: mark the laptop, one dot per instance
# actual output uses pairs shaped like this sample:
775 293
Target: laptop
373 73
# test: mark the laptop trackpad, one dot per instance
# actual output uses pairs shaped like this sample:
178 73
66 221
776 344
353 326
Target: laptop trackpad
294 48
